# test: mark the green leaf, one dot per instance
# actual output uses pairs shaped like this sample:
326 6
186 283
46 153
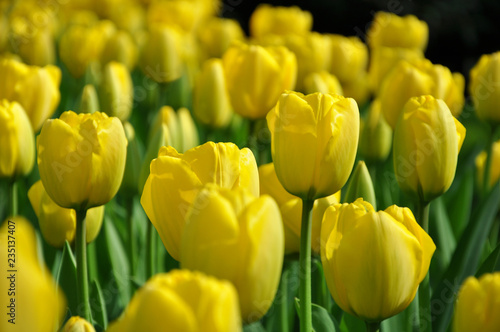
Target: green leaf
322 321
441 231
350 323
254 327
462 204
491 264
464 261
66 277
98 305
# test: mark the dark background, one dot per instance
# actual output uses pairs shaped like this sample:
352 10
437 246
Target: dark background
459 31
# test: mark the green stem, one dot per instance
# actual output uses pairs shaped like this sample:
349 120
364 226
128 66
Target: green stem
81 265
150 259
13 198
487 165
372 327
305 267
283 303
424 291
131 240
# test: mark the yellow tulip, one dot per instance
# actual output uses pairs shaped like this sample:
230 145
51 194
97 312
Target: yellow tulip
233 235
218 34
81 159
478 306
427 140
129 17
89 102
181 301
484 87
117 91
167 121
4 32
314 139
175 180
38 304
358 89
38 48
58 224
323 82
349 57
17 144
77 324
189 133
495 165
373 261
267 19
211 100
391 30
375 140
121 48
449 87
182 14
246 68
291 207
161 55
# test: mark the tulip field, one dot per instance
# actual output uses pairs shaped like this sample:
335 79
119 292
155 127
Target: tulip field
165 168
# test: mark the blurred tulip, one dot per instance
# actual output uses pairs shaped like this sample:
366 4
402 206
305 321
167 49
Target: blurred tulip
358 89
323 82
89 102
77 324
495 165
166 121
58 224
349 57
233 235
17 143
211 100
375 139
175 179
314 139
427 140
449 87
247 67
181 14
185 301
36 49
117 91
291 207
189 133
39 304
129 16
81 159
4 32
478 306
373 261
484 87
391 30
121 48
218 34
267 19
361 186
133 162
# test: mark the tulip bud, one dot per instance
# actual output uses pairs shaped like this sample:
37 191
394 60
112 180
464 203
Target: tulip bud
166 121
77 324
358 89
218 34
43 303
485 89
183 15
477 305
495 165
267 19
58 224
375 140
81 159
189 132
361 186
4 32
349 57
233 235
245 67
323 131
161 59
17 153
398 256
449 87
211 100
175 179
37 49
89 102
427 140
323 82
120 48
391 30
117 91
188 301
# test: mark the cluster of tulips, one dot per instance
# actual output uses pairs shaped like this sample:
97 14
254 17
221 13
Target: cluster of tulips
159 120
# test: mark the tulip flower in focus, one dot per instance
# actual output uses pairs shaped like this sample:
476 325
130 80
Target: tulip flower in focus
291 207
495 165
39 304
314 142
323 82
267 19
484 87
17 144
117 91
58 224
77 324
478 305
427 140
233 235
81 159
373 261
175 179
375 139
391 30
218 34
211 100
181 301
256 76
